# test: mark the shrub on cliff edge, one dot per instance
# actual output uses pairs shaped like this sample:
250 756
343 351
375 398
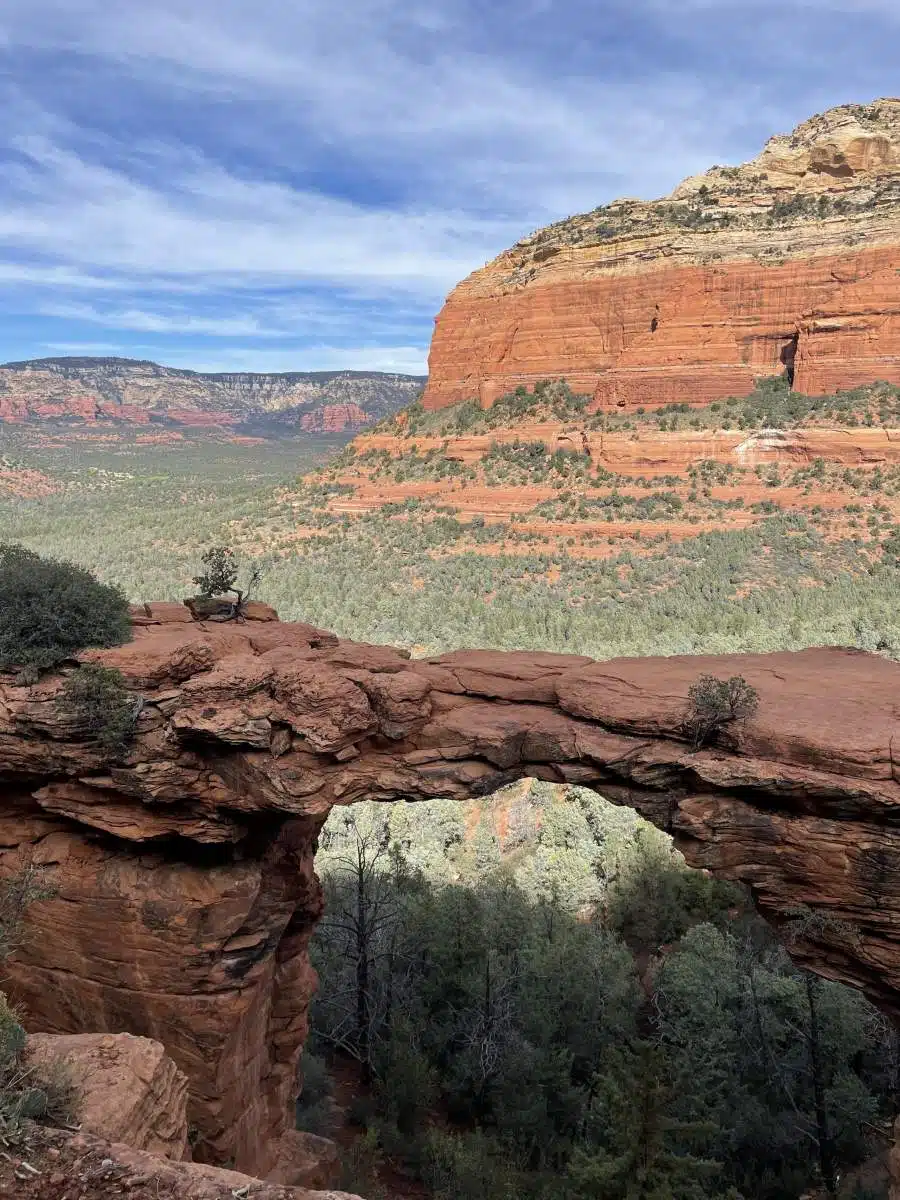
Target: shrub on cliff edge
100 702
220 578
713 703
50 609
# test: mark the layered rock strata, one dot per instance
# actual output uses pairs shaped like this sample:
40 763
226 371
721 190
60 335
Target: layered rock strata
653 450
787 263
122 391
186 889
126 1088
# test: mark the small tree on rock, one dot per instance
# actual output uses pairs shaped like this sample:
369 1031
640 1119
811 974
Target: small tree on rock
714 703
220 578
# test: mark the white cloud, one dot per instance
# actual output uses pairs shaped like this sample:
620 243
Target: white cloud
83 349
53 277
141 321
881 8
245 315
404 90
407 360
207 221
376 149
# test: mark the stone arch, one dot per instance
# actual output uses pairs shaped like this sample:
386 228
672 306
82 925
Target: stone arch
187 887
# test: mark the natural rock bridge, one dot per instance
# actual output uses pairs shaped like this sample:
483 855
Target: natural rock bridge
186 891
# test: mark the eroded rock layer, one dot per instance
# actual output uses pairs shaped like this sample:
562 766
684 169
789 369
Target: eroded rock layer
185 871
128 1089
787 263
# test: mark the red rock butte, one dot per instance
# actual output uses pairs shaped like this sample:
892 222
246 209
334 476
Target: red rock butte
186 890
787 263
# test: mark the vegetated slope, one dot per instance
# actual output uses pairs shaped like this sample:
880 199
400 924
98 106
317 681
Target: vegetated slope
540 966
770 522
788 261
128 391
537 470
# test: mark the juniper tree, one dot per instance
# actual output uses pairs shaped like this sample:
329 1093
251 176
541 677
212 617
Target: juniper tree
221 576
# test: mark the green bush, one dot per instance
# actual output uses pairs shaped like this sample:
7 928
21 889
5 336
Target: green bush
361 1163
220 577
46 1093
16 893
713 703
406 1082
100 702
221 572
50 609
17 1098
314 1109
469 1166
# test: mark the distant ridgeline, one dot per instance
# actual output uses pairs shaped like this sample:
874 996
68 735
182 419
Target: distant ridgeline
124 391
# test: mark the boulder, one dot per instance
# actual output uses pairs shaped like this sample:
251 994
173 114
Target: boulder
128 1088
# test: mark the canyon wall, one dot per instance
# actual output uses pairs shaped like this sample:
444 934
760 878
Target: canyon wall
787 263
186 890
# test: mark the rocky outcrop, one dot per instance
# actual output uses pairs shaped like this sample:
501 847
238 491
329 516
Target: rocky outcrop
306 1160
787 263
653 450
129 1103
127 1088
121 391
186 889
26 484
57 1165
334 418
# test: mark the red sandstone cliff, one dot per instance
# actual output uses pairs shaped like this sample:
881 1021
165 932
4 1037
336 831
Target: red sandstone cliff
334 418
187 893
789 261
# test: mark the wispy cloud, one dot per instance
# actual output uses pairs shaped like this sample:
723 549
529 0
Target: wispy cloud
406 360
208 221
82 349
264 179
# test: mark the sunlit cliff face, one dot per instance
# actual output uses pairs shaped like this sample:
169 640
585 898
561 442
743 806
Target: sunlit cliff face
786 263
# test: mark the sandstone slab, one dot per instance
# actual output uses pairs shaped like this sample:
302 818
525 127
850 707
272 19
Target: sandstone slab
128 1088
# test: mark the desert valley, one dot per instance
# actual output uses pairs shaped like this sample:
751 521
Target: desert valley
476 786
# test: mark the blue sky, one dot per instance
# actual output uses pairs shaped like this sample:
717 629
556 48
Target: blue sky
297 184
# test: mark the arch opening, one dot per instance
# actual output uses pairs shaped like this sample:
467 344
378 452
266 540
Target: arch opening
495 845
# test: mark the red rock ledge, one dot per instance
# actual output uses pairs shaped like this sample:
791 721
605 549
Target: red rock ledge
187 893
